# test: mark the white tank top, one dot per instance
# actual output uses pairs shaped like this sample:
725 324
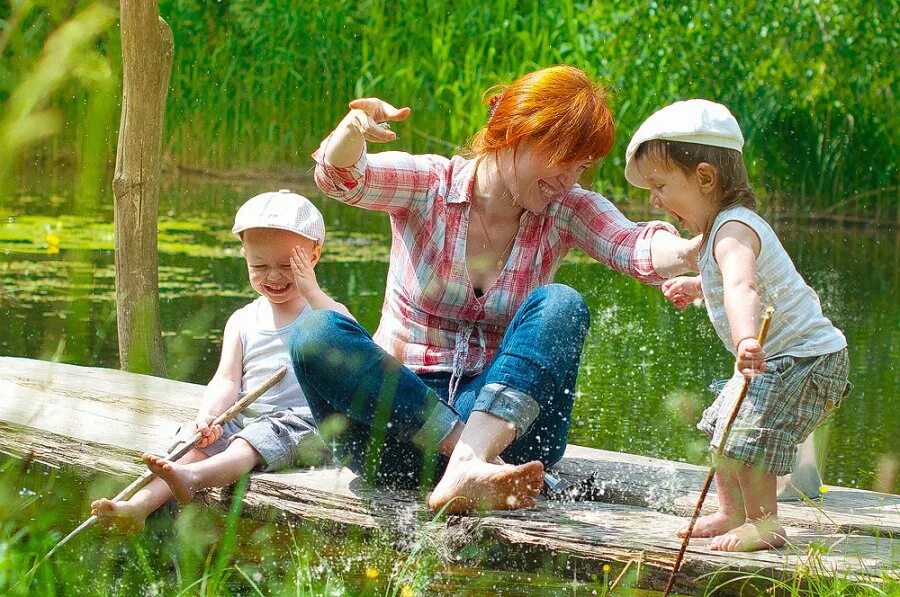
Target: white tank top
265 351
798 326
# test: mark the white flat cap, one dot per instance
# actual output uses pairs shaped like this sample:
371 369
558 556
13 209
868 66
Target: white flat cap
691 121
283 210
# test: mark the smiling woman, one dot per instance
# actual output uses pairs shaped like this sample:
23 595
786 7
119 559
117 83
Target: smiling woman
475 361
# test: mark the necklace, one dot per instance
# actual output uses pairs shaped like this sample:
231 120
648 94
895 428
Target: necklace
501 256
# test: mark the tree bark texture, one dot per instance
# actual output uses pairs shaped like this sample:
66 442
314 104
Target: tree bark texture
147 49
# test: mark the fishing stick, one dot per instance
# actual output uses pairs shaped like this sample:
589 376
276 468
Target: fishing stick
179 449
763 331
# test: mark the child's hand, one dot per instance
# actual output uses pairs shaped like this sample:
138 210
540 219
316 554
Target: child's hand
751 359
303 272
210 433
683 290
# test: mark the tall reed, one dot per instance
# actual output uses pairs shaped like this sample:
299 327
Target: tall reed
260 82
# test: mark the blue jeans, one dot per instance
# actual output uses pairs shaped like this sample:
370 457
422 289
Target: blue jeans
385 422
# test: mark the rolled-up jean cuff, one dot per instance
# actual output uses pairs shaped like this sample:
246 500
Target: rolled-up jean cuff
509 404
437 427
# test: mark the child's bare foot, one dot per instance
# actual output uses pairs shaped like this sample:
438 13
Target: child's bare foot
754 535
125 516
713 525
474 483
176 476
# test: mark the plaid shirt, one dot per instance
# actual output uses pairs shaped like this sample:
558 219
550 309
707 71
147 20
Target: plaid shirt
431 319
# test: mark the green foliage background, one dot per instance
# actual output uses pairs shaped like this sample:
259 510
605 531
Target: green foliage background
257 83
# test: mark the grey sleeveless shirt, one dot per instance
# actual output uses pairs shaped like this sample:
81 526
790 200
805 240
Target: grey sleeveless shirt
264 351
798 326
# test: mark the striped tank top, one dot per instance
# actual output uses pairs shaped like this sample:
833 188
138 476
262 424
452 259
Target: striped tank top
798 326
265 350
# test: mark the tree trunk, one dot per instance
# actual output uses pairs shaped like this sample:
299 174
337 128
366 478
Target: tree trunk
147 48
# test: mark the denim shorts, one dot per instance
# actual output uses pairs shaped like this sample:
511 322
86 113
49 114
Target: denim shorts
782 407
284 439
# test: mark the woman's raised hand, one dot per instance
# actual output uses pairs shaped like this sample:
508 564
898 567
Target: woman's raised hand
346 144
366 114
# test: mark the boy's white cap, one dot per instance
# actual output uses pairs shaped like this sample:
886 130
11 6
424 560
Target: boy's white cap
692 121
283 210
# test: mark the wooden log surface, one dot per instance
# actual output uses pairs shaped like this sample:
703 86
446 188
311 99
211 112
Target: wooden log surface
97 420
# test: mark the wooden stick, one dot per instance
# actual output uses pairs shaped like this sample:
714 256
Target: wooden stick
763 331
179 449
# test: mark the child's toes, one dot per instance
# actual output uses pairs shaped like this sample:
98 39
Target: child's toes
728 542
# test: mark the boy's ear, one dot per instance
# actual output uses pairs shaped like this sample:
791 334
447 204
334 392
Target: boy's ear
707 176
316 253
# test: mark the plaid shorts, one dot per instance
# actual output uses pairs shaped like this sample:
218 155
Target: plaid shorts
782 407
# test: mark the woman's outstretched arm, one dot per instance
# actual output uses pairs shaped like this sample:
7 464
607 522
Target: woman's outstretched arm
650 251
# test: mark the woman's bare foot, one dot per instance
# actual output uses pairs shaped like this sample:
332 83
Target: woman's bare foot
754 535
176 476
125 516
713 525
473 483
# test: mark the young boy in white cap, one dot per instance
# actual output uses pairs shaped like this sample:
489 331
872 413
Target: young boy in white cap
281 238
689 156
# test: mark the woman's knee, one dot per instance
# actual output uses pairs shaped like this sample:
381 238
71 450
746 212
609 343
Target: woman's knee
565 304
317 333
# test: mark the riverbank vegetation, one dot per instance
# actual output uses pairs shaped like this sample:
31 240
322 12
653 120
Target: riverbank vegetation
258 84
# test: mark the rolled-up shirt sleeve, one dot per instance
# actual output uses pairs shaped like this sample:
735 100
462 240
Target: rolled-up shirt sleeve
391 181
594 225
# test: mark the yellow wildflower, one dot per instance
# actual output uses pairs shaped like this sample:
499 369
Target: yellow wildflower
371 572
823 489
52 244
606 568
407 591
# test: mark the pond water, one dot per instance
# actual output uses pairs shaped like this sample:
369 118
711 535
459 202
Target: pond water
644 371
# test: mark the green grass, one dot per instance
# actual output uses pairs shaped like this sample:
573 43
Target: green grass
808 582
200 550
203 550
259 83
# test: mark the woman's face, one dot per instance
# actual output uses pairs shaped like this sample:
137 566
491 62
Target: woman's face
532 181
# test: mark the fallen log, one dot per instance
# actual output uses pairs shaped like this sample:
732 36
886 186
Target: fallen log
94 421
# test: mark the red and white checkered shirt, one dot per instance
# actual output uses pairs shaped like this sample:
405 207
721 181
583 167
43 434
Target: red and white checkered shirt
430 312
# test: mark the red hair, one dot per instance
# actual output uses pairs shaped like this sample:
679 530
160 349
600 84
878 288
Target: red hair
558 108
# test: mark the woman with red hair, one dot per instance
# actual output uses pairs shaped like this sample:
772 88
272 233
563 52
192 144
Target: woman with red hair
470 378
